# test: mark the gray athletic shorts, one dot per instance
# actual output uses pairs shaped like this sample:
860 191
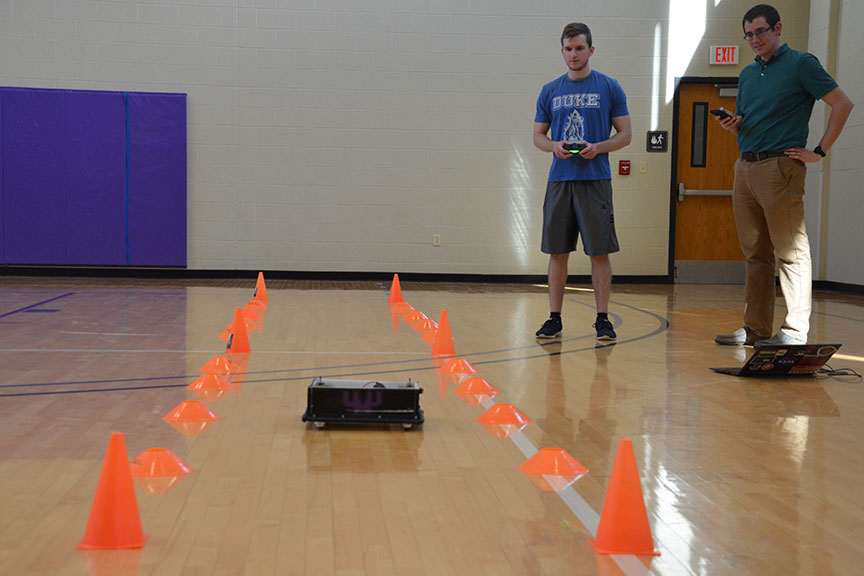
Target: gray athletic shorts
579 207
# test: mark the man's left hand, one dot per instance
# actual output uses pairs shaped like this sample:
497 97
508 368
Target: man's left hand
590 150
802 154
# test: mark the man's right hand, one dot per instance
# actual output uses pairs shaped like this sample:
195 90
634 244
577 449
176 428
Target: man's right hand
730 123
561 152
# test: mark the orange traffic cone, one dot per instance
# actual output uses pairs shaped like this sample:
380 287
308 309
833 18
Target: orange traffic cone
624 525
260 289
474 391
425 326
397 311
191 417
503 420
401 308
553 469
251 320
210 387
414 317
114 521
219 365
238 342
458 369
258 305
443 343
157 470
395 291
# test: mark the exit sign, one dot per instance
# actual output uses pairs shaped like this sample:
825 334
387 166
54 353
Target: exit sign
723 55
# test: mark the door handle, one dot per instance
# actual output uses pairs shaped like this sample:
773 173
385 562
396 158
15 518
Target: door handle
682 192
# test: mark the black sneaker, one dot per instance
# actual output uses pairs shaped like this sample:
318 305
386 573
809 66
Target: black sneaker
604 329
550 329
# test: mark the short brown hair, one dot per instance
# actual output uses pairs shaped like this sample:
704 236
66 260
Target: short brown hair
576 29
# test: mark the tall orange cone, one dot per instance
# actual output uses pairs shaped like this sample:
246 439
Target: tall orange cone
443 343
624 525
114 521
260 289
395 291
238 341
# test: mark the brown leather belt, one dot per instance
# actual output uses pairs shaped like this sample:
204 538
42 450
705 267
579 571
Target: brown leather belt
757 156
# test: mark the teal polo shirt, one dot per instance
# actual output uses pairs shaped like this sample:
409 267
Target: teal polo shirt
776 98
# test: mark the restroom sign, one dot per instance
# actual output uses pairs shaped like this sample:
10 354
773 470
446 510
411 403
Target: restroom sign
723 55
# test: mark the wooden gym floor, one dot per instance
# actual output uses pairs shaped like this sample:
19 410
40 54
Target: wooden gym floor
739 476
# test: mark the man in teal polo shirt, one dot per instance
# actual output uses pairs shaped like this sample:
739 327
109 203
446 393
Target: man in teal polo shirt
775 99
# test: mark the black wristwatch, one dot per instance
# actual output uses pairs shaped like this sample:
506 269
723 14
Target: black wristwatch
818 150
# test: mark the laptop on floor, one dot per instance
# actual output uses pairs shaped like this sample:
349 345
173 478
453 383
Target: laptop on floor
781 360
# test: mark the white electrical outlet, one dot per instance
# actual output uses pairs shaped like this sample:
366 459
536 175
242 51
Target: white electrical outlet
436 240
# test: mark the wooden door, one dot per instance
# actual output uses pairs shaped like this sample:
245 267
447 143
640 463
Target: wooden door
706 239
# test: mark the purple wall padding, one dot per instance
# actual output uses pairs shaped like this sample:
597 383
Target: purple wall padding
34 177
2 207
95 178
157 179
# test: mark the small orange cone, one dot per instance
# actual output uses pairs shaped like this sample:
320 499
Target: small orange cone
191 417
425 326
114 521
260 289
553 469
395 291
157 470
238 342
258 305
251 320
397 311
503 420
624 525
443 343
414 317
219 365
401 308
474 391
458 369
158 462
210 387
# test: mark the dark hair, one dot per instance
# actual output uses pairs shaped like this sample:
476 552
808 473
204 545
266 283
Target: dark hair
576 29
772 17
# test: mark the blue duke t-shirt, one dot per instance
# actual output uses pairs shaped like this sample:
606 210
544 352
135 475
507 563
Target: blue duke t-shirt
581 110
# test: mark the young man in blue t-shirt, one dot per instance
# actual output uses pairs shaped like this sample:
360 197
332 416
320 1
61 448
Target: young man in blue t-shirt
574 120
776 94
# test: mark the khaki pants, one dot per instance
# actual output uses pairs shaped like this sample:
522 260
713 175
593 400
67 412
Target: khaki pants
768 200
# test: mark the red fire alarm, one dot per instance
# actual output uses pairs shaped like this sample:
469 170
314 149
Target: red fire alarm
624 167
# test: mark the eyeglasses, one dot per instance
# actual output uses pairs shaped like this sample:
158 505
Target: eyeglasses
749 36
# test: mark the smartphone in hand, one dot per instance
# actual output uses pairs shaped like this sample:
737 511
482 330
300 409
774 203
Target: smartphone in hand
721 114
